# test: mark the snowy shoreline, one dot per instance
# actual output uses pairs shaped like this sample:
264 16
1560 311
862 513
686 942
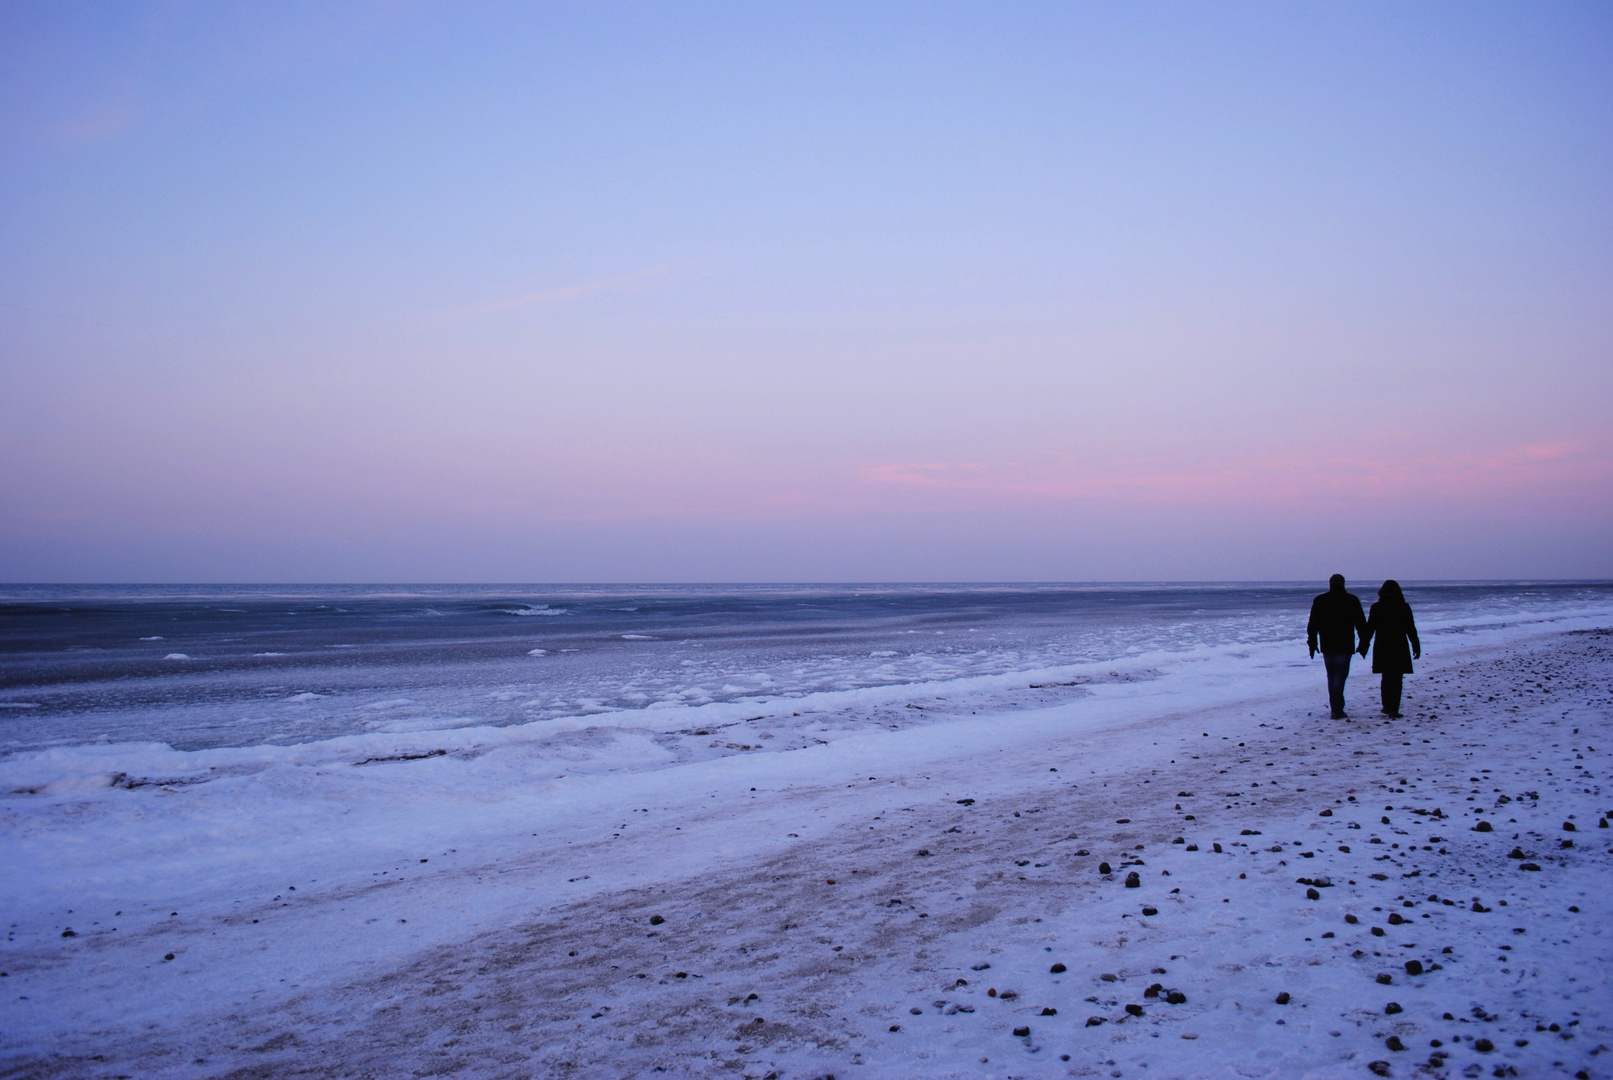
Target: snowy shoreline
380 963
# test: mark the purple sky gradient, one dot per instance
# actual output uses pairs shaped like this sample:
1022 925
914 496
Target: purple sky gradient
597 292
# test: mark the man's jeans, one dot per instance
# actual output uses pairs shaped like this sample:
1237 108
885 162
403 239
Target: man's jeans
1338 669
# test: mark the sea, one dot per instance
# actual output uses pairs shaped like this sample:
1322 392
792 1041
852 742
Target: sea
204 667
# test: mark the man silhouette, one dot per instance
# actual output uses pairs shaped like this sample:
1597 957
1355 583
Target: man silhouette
1336 619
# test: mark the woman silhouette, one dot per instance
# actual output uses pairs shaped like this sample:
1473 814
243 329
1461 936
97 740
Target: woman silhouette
1390 627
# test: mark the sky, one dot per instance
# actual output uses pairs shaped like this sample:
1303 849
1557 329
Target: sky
805 292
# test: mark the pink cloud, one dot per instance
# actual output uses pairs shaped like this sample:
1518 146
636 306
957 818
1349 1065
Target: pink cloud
1515 472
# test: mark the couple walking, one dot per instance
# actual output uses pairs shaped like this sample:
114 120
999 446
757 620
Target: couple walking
1337 619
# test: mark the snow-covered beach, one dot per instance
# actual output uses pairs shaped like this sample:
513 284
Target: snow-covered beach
896 880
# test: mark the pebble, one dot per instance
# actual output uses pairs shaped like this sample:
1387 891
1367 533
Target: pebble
1104 868
1175 997
1284 998
1392 1008
1133 881
1134 1009
656 920
1150 911
1393 1042
1058 969
1414 967
1022 1032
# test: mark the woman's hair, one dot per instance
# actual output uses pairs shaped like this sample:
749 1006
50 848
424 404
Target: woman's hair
1390 590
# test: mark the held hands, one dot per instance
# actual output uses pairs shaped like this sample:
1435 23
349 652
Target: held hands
1416 654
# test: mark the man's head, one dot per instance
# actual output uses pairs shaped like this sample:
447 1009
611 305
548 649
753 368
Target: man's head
1336 583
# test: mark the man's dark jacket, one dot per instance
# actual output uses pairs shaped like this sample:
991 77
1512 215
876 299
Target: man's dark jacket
1336 617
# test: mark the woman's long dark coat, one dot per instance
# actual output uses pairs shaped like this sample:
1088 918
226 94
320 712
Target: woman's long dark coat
1393 634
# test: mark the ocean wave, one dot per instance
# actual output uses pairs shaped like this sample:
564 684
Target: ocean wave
535 609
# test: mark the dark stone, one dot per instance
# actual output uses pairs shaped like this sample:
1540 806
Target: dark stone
1385 978
1312 894
1351 919
1133 881
1217 848
69 932
1150 911
923 851
1483 1046
1283 998
1516 853
1176 997
656 920
1395 918
1378 1068
1094 1021
168 956
1483 826
1058 969
1377 931
1104 868
966 802
1568 826
1327 813
1153 991
1529 866
1393 1042
1022 1032
1414 967
896 1027
1050 1011
1392 1008
1134 1009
